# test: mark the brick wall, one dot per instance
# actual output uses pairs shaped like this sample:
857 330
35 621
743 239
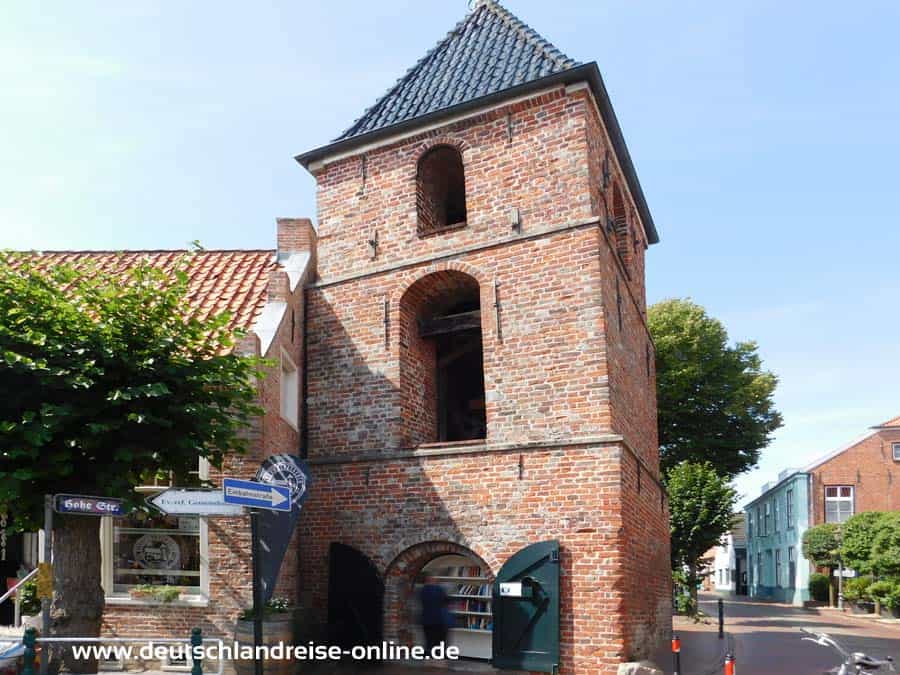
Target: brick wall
869 467
564 377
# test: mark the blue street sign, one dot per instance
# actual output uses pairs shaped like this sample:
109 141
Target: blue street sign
260 495
88 506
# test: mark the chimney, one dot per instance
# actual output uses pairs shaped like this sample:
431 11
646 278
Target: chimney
295 235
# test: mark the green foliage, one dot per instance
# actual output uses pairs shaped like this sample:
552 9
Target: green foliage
715 400
31 604
159 593
855 589
274 606
701 506
882 592
821 545
886 546
108 380
858 534
818 587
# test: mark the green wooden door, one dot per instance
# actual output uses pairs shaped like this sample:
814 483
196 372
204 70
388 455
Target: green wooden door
526 610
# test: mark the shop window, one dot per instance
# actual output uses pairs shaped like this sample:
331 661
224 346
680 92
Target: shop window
441 360
147 548
838 503
441 190
290 390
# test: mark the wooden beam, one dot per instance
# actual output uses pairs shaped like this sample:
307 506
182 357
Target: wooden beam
454 323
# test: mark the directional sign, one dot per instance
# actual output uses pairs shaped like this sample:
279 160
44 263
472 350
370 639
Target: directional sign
88 506
184 502
260 495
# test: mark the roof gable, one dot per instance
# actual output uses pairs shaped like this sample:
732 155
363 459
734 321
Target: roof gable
487 52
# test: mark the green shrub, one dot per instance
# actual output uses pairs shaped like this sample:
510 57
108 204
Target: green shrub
880 592
818 587
857 535
855 589
894 597
31 604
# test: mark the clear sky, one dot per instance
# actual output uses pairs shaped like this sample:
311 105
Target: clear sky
765 134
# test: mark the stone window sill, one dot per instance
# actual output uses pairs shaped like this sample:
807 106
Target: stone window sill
128 601
443 230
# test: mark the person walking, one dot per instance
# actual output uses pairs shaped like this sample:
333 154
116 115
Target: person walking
435 614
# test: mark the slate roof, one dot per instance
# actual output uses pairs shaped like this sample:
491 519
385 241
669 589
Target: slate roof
219 281
487 52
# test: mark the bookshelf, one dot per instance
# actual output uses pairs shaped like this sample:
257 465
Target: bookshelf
469 591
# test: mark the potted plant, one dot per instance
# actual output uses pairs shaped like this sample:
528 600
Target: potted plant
277 628
879 593
855 595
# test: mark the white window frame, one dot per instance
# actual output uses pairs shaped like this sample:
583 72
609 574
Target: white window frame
776 512
838 499
289 394
107 556
895 451
778 562
768 515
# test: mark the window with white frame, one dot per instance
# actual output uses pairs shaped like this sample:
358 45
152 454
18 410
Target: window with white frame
290 391
148 548
777 514
789 511
768 527
750 525
778 568
838 503
895 447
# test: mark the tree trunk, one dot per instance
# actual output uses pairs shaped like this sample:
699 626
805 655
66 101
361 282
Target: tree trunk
832 601
77 596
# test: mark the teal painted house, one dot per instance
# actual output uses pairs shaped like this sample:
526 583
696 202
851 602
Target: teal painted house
775 522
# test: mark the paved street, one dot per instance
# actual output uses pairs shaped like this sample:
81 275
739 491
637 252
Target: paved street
765 638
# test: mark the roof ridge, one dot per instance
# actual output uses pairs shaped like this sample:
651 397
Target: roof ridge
529 34
397 103
48 251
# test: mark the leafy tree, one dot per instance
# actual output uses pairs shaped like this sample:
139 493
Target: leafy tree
701 505
857 535
886 546
715 400
821 546
107 381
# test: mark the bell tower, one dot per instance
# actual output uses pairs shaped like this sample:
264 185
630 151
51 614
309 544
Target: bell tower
480 376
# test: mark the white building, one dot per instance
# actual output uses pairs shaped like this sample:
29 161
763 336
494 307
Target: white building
729 572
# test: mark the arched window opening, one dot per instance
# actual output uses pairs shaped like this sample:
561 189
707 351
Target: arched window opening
621 228
442 371
441 190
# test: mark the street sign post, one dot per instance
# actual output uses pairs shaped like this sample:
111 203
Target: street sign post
81 505
257 495
194 502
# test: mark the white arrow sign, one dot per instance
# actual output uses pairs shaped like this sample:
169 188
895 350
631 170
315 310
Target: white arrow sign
184 502
251 493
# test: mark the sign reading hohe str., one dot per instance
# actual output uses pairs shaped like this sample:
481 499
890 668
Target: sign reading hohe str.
88 506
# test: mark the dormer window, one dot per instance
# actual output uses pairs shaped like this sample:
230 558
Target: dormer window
441 190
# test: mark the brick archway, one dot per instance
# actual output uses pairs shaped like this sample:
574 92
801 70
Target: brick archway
400 576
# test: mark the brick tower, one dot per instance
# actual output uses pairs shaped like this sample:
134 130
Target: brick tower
479 370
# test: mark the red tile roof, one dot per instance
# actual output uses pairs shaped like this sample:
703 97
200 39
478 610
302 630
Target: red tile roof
219 281
890 423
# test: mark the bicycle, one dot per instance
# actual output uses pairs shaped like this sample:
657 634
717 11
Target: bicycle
854 663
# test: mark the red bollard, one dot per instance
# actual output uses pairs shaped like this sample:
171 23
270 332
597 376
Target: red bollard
729 664
676 654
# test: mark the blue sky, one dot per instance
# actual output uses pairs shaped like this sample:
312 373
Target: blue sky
765 134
